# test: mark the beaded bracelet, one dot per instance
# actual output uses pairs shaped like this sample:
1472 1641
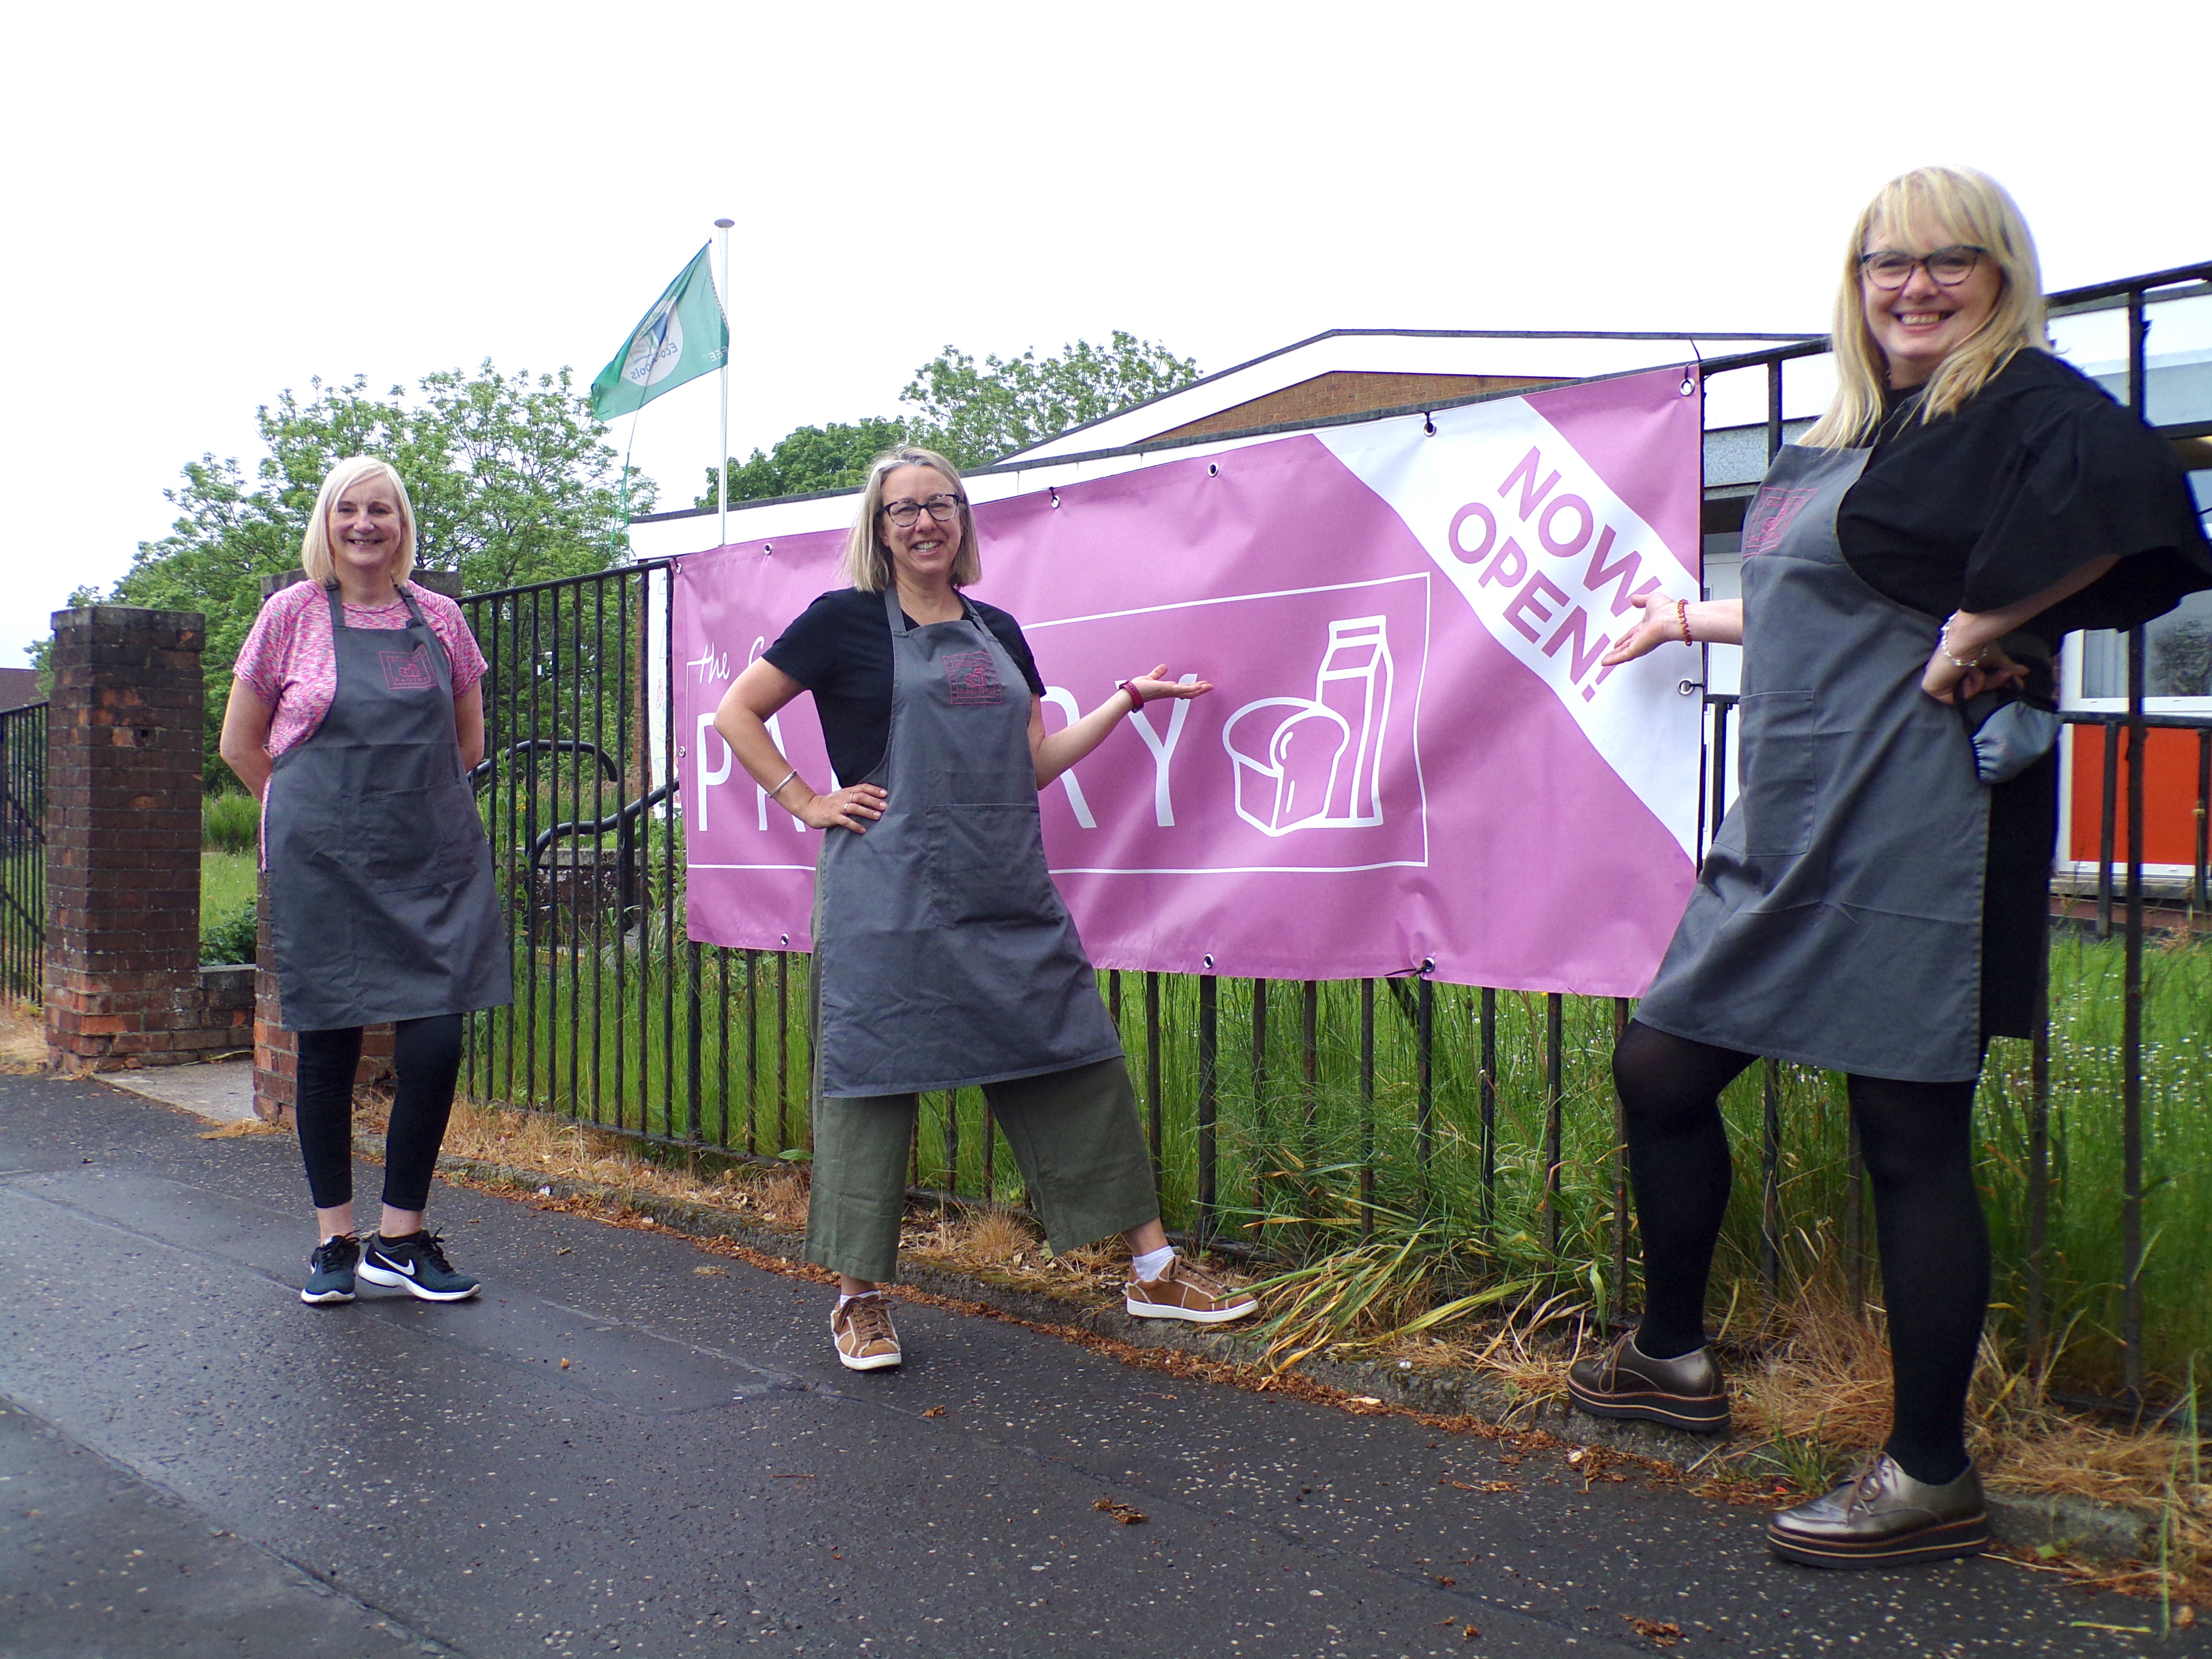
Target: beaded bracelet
1682 620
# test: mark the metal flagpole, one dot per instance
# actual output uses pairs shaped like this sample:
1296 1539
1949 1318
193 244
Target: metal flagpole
722 454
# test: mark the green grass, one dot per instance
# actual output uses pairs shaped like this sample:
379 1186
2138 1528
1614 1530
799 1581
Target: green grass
227 899
227 882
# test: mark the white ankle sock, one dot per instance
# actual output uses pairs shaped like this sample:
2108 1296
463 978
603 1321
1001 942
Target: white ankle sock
843 1298
1152 1263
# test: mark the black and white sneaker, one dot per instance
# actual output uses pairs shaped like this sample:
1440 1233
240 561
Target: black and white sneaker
417 1265
331 1270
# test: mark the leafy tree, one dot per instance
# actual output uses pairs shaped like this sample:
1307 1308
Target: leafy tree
1011 403
832 457
510 476
973 415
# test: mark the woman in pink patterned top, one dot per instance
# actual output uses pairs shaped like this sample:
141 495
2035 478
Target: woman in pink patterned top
356 713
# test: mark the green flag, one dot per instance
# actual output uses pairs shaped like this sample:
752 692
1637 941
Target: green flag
682 338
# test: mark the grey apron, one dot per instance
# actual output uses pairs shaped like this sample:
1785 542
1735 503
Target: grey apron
1836 920
943 955
382 902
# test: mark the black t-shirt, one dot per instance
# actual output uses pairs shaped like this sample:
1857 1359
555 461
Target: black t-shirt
2040 473
840 649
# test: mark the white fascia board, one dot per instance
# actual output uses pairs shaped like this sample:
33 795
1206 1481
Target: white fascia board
1563 357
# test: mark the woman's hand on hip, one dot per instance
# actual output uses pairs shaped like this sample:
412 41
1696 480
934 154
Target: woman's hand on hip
854 808
1948 681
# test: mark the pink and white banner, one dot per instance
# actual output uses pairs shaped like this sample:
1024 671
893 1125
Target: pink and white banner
1412 754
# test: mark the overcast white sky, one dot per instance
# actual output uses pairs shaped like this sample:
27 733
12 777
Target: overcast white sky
207 204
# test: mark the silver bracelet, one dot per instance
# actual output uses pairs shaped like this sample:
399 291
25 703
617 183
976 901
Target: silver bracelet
1943 644
786 778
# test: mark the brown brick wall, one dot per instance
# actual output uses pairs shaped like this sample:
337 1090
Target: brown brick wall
124 982
1349 392
276 1057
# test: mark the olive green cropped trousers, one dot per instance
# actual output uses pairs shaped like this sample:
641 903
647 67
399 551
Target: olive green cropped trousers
1074 1135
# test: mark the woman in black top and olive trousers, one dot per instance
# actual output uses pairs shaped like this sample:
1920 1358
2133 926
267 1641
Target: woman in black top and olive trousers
943 957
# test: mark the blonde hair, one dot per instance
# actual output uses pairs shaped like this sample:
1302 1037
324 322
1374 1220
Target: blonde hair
315 546
867 562
1949 205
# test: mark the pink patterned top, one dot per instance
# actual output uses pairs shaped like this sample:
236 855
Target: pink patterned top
290 662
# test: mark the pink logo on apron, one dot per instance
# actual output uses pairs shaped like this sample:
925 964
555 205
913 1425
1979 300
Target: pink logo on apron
408 671
1772 514
975 682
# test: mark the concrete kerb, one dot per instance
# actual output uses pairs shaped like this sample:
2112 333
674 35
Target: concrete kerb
2083 1527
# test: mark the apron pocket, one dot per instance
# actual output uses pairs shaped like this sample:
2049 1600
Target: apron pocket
428 837
1781 789
985 862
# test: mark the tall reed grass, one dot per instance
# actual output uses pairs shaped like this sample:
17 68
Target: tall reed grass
230 821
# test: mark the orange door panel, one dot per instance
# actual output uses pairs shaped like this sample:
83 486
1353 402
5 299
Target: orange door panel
2170 802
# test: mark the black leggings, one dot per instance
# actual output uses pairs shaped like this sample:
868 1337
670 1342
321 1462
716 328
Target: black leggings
1917 1140
426 1063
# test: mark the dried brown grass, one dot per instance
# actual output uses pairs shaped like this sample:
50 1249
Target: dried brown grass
1818 1376
22 1039
994 1243
246 1128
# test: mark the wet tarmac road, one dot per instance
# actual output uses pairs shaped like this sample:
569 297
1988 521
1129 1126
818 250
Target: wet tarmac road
702 1477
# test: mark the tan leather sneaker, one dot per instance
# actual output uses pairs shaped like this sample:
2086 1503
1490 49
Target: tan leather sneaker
866 1338
1186 1293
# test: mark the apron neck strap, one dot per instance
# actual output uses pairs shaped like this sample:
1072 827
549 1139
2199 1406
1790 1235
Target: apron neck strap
337 606
895 612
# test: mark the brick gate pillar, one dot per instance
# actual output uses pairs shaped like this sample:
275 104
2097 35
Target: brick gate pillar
123 984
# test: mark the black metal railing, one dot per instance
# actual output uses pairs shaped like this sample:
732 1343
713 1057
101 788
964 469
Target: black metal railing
23 853
1284 1115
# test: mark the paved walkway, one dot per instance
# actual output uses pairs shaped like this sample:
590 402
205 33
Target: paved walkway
220 1094
631 1446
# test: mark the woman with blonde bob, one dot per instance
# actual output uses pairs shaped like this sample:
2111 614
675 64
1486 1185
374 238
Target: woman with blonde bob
356 714
943 956
1874 902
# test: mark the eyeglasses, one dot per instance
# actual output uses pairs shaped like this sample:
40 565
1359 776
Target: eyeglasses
1949 266
943 509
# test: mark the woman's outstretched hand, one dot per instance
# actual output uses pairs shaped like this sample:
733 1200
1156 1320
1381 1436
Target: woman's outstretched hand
1054 752
1152 687
854 807
1712 621
1659 626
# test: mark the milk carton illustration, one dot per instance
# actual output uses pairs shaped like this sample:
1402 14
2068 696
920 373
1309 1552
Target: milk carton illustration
1316 763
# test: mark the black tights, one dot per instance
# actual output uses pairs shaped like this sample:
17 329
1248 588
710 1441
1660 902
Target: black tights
426 1063
1918 1144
